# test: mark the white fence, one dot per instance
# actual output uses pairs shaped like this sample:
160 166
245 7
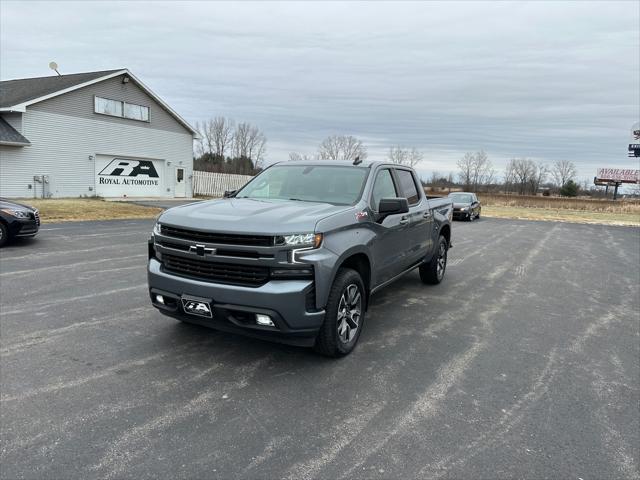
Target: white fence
215 184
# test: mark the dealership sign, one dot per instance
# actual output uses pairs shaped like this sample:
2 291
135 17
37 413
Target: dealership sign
619 175
119 177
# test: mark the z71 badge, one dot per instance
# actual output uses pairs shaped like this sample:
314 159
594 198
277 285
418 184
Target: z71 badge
361 216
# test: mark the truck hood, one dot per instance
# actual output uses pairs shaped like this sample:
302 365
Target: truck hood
250 216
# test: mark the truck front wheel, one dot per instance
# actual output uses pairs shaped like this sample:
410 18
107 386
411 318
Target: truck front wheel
344 315
433 271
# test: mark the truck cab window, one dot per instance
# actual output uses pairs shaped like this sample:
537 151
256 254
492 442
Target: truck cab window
408 186
382 188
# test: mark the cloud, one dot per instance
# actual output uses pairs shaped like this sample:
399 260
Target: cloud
546 80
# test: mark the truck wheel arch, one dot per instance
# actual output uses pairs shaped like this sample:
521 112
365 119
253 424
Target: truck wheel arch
358 261
446 233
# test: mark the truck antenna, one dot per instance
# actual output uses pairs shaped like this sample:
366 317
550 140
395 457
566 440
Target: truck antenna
357 160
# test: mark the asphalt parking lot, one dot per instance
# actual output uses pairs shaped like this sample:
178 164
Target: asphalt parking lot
523 363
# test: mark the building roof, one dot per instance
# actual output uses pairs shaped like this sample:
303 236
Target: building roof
10 136
21 90
16 95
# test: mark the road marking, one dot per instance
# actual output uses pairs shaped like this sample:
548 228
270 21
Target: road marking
452 373
69 265
350 429
23 342
97 375
137 440
38 306
36 255
115 233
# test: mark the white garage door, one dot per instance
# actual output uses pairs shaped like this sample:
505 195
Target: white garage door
130 177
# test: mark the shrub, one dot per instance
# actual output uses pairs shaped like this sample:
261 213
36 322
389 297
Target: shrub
569 189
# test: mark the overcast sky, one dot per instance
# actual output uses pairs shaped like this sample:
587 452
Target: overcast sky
544 80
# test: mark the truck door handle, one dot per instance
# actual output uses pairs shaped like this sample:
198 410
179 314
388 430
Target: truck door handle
426 214
404 220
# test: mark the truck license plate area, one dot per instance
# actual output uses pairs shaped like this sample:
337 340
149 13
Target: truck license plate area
198 307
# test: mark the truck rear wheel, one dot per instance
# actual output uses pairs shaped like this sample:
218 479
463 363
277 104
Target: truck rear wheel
344 315
433 271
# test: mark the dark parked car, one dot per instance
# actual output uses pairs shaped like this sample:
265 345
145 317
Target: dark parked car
17 220
466 206
295 254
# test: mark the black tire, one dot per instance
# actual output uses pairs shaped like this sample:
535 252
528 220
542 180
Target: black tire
433 272
4 234
339 319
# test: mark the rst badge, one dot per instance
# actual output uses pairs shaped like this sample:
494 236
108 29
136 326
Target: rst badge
197 307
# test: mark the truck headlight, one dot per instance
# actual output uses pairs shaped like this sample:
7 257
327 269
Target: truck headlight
464 209
312 240
157 229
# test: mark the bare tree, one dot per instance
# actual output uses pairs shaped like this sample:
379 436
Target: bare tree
293 156
563 171
542 171
249 143
435 178
397 155
341 147
414 157
510 175
482 172
465 170
216 137
525 174
222 130
404 156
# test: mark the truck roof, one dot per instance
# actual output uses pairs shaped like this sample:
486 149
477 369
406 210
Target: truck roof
344 163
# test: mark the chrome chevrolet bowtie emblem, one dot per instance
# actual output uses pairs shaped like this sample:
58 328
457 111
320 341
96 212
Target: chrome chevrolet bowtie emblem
202 250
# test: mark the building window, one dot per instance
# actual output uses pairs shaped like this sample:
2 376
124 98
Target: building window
116 108
136 112
108 107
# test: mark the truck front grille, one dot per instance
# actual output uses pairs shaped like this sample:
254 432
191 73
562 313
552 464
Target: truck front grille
219 238
245 275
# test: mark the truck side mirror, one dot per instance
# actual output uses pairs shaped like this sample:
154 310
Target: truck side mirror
229 193
392 206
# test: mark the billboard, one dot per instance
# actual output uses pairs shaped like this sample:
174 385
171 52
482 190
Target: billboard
120 176
634 142
619 175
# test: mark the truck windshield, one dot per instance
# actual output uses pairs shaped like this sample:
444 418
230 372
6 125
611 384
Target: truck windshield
339 185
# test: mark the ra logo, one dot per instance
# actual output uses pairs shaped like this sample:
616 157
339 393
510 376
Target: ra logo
129 168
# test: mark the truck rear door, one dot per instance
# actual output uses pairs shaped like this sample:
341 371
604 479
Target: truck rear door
420 232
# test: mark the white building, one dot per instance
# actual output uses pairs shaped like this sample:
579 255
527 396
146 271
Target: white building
86 134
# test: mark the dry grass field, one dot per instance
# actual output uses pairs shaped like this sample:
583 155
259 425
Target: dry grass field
560 209
561 203
580 210
77 209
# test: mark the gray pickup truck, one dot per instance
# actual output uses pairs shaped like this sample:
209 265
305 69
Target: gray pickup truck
295 255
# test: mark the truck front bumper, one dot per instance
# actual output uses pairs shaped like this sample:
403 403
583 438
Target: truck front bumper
289 303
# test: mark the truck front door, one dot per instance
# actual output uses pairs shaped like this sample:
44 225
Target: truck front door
389 250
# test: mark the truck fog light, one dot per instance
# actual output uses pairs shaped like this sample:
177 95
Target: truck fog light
264 320
160 299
